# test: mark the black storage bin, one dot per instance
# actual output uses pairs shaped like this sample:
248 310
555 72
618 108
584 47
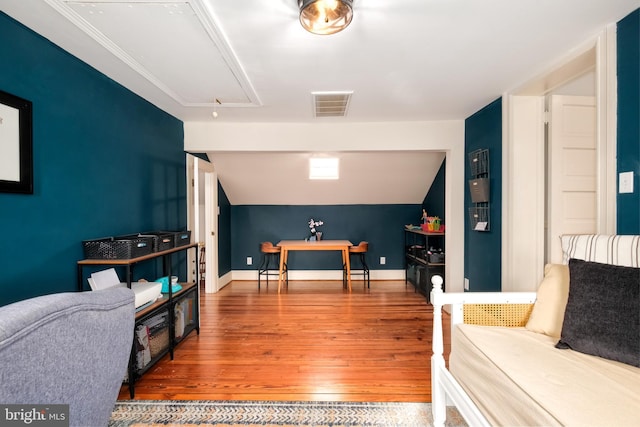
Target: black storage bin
422 280
162 240
417 251
437 258
180 238
411 273
122 247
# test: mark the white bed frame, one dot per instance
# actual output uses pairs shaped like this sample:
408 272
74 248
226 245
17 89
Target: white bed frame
444 387
609 249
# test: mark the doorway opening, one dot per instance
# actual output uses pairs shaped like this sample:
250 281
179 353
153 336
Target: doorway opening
531 238
202 219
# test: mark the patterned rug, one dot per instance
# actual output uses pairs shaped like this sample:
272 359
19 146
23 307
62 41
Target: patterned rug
139 413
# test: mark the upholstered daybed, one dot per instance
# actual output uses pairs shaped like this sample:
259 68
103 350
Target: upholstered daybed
572 358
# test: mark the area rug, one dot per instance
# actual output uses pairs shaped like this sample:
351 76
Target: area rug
144 413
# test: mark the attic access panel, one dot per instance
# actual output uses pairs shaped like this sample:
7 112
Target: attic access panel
194 69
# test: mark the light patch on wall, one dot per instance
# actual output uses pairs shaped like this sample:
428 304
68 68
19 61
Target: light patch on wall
324 168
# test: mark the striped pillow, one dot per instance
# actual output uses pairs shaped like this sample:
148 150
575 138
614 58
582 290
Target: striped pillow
616 249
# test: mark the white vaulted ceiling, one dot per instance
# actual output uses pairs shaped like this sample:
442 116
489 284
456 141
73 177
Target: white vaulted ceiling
281 178
252 62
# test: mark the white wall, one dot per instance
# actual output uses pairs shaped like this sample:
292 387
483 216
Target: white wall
389 136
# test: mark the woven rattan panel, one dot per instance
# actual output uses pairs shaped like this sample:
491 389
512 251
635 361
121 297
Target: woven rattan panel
497 314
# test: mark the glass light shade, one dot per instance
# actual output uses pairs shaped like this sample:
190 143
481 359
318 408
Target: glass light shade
325 16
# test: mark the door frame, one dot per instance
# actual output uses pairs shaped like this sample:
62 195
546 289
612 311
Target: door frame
523 239
196 167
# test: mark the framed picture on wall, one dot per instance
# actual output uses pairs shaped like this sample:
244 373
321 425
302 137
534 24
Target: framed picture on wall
16 145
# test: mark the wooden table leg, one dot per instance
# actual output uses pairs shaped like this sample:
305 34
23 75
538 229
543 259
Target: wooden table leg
347 263
283 260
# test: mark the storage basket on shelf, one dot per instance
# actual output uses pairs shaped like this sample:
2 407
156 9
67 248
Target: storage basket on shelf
122 247
436 258
158 330
158 341
180 238
162 240
418 251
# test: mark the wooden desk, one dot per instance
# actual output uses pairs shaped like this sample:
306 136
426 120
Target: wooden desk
318 245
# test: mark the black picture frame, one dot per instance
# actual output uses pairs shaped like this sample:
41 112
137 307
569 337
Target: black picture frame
16 144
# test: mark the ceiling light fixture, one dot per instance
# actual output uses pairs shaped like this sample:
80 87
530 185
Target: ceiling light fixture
325 16
215 113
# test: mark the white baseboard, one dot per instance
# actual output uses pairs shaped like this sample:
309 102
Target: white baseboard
317 275
225 279
387 274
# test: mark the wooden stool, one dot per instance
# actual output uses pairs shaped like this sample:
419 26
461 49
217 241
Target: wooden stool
360 251
270 255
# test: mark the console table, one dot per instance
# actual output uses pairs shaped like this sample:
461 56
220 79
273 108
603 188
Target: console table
169 307
419 265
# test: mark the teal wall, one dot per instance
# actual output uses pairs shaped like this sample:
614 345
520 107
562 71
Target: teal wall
434 202
628 46
106 162
482 249
380 225
224 232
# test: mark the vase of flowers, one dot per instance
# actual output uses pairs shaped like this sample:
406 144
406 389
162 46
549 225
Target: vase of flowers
315 234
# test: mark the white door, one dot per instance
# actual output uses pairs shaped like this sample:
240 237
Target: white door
572 170
202 212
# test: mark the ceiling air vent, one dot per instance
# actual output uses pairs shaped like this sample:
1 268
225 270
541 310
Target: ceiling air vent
330 104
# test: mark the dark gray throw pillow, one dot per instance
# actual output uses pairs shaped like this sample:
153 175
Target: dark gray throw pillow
602 317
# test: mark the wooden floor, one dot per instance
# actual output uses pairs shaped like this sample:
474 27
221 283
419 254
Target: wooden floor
313 342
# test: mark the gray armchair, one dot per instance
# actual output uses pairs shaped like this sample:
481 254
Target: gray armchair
67 348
